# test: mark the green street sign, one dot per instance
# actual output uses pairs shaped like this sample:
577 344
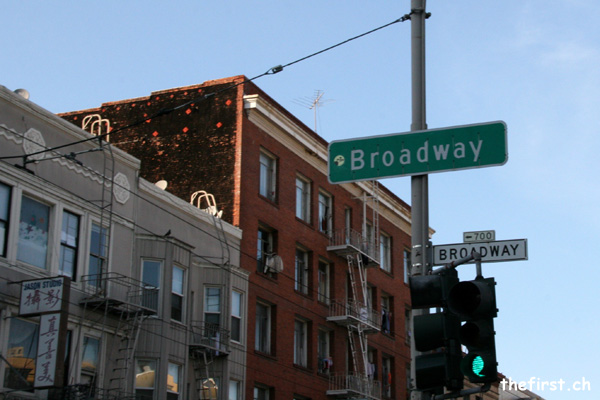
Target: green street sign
418 153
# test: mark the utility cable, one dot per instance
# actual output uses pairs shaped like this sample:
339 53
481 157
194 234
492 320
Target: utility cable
271 71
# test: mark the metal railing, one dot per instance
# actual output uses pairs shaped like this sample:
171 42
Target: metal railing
345 237
210 336
354 384
356 311
121 289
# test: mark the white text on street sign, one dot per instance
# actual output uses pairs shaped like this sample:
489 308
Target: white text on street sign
417 153
479 236
501 250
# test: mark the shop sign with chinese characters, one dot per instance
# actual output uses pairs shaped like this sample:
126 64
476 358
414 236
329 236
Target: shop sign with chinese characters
43 295
48 298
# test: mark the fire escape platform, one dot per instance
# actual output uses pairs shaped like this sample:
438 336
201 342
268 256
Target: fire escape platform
209 337
352 314
354 386
345 243
119 294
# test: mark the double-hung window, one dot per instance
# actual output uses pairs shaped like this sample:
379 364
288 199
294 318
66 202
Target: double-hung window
385 252
90 359
300 343
98 254
323 352
303 199
173 381
151 281
262 334
145 379
236 316
33 232
387 307
177 293
265 248
4 214
69 242
325 213
22 349
407 265
388 376
301 283
268 176
323 281
212 312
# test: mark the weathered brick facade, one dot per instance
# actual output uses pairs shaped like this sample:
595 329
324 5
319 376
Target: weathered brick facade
214 144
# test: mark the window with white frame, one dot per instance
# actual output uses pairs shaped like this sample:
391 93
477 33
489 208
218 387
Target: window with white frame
234 390
236 316
268 176
69 243
325 213
90 359
98 254
5 192
173 381
151 281
177 293
145 379
385 252
303 199
22 349
262 334
33 232
301 283
301 343
323 282
324 352
212 311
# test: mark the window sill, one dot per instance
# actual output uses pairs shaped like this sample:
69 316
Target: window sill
272 202
265 355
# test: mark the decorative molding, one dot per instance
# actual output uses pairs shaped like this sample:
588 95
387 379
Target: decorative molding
121 188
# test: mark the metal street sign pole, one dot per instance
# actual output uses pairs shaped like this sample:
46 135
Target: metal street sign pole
419 183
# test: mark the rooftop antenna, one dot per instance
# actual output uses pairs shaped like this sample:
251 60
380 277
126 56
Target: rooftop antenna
314 102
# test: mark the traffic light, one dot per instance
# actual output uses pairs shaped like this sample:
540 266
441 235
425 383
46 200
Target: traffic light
437 333
475 303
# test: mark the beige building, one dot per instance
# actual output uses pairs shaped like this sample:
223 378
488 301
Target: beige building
147 287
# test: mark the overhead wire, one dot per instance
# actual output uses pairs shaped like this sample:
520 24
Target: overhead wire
271 71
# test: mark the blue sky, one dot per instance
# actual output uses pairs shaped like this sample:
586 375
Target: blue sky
533 64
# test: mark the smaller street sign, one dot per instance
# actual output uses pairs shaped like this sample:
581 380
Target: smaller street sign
501 250
479 236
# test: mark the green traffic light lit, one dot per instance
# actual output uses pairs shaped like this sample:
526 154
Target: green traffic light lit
477 366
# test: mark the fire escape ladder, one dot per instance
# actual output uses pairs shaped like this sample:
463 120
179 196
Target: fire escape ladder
130 322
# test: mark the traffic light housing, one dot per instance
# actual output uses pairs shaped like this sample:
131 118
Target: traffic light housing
474 302
437 333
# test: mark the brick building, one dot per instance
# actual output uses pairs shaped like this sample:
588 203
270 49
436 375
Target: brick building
328 300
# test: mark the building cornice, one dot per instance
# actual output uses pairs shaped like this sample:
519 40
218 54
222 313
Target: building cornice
275 123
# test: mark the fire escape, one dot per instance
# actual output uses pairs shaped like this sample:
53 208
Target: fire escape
118 305
209 344
361 251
